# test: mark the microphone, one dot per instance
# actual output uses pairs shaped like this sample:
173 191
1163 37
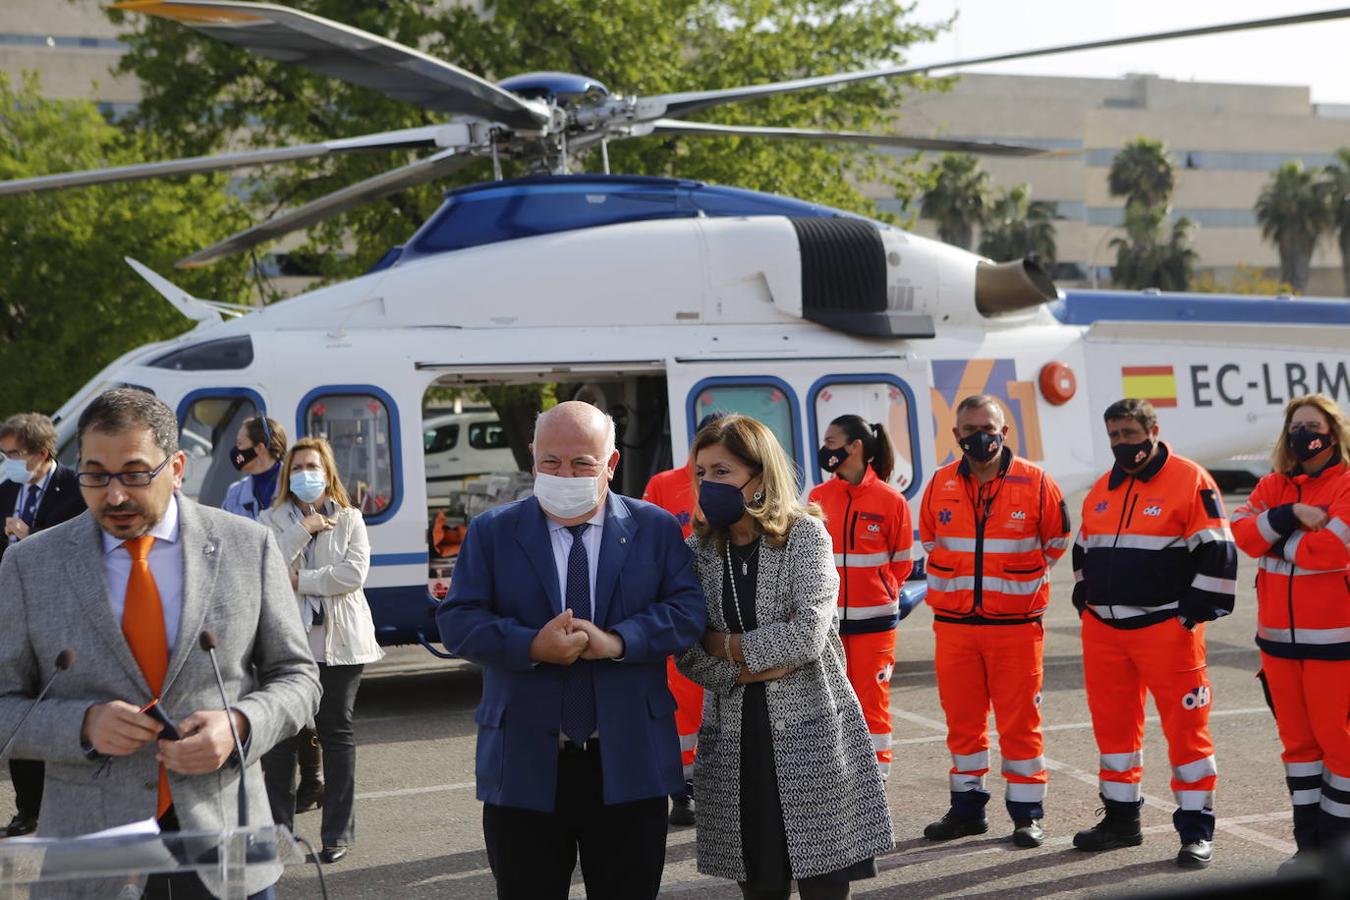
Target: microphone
207 641
64 660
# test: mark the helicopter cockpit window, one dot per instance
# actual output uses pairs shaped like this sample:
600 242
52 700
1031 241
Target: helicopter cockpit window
225 353
880 401
492 216
206 436
766 402
357 426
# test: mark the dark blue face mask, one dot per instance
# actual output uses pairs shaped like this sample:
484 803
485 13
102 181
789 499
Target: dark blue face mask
981 446
722 504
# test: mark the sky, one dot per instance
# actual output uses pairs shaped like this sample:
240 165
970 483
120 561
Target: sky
1312 55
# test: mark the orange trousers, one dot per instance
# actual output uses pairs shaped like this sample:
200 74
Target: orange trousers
688 714
1311 698
998 666
871 660
1120 667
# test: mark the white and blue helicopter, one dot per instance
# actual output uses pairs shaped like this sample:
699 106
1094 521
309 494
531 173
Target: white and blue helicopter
662 300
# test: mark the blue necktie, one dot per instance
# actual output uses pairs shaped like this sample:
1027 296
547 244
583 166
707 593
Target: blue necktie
578 694
29 513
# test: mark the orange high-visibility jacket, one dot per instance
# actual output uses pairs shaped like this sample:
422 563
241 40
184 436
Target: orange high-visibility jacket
1154 546
1302 581
990 546
873 538
673 491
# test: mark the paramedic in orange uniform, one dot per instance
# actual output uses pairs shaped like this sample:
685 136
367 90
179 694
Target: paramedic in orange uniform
873 536
992 525
673 491
1153 562
1297 524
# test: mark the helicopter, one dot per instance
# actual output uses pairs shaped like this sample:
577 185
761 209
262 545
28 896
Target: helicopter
661 300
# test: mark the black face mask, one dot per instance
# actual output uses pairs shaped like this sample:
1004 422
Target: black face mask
240 458
1132 456
830 460
981 446
1307 443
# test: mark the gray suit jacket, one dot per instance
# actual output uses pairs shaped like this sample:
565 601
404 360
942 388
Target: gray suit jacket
53 595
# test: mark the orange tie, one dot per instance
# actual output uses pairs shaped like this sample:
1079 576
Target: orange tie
143 627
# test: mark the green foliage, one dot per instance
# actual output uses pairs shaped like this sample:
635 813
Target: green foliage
1142 173
68 303
1151 255
1247 280
957 197
1336 183
1018 226
200 93
1294 213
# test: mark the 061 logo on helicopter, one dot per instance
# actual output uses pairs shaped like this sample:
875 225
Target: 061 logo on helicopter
954 379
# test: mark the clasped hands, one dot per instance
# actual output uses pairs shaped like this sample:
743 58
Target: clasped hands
119 729
565 639
728 646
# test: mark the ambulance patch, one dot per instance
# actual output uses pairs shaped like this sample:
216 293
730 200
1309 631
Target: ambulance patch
1153 510
1018 514
884 676
945 516
1196 699
1101 507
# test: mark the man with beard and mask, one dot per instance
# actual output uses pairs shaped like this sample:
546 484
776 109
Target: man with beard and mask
129 587
992 524
1154 561
571 600
37 493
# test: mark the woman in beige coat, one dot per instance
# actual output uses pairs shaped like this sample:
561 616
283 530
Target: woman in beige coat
323 538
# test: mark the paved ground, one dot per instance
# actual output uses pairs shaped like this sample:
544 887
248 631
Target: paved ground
419 824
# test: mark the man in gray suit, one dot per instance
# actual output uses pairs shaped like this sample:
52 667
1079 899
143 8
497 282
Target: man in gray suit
130 586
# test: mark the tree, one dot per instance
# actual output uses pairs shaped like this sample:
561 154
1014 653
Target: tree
957 198
1150 255
1294 212
68 303
1017 226
1336 184
1246 280
202 94
1142 173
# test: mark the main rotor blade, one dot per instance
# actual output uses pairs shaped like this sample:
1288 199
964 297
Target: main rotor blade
348 54
682 104
406 138
987 148
423 170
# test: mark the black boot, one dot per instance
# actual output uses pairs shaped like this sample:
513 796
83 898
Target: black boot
682 808
309 795
1306 832
1118 828
966 817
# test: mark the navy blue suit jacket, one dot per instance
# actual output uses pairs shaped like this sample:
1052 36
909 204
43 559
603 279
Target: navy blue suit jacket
504 588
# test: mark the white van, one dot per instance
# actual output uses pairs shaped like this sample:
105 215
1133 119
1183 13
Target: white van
463 445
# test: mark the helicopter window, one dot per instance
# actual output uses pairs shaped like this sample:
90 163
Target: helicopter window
225 353
487 436
206 431
357 426
877 398
439 440
768 402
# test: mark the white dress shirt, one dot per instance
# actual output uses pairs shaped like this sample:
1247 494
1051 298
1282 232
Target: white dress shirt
166 565
562 547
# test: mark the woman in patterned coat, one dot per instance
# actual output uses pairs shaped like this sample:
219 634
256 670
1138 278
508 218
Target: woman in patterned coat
786 780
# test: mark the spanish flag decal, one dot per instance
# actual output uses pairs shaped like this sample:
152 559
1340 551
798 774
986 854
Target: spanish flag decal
1156 384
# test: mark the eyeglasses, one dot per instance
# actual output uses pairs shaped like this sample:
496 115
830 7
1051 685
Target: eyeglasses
130 479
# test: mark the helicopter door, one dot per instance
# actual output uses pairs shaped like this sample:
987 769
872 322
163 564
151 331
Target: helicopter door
797 399
208 421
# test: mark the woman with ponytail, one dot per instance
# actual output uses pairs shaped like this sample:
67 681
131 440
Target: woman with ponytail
873 534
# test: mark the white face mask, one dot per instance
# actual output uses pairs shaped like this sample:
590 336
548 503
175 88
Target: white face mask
567 498
15 470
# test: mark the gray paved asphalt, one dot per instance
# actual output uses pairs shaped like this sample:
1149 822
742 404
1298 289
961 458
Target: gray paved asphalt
418 832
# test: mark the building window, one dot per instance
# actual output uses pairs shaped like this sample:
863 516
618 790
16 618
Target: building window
880 401
358 428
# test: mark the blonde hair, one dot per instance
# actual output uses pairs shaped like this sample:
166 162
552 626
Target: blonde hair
1282 459
336 492
751 442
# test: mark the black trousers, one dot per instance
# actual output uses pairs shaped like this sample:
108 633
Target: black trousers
185 885
334 724
622 847
27 775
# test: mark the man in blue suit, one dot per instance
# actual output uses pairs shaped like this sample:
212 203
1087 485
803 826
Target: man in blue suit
571 601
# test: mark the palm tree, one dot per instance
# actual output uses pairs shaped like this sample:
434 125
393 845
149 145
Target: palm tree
958 199
1336 184
1017 226
1294 212
1142 173
1151 256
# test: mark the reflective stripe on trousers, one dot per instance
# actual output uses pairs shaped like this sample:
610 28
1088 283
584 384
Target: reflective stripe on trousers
880 611
1305 782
